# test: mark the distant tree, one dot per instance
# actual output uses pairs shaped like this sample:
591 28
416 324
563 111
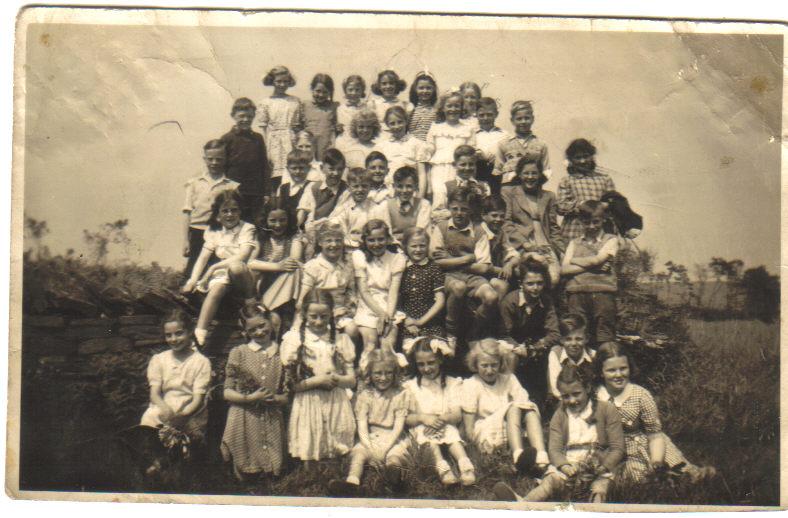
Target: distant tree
35 231
761 293
108 233
730 272
702 277
647 259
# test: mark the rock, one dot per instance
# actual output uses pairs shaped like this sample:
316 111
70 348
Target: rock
142 332
47 345
138 320
76 306
83 333
91 322
46 321
109 344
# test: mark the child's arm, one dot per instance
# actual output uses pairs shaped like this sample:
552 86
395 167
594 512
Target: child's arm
366 296
483 262
421 167
567 203
454 263
607 252
165 412
468 423
396 280
553 369
186 245
243 255
557 441
567 268
347 380
437 307
396 432
193 407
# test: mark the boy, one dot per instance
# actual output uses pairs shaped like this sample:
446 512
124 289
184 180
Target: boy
572 350
582 183
405 209
291 192
488 136
200 192
592 286
378 167
462 250
503 255
524 143
465 165
355 211
247 160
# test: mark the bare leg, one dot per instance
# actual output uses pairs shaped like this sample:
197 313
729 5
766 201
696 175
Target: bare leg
514 430
241 278
357 459
210 305
370 337
500 286
454 304
489 299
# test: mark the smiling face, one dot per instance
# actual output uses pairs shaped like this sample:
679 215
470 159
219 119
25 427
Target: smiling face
397 125
460 213
376 241
417 248
453 109
243 119
317 318
585 162
359 189
425 91
488 367
574 344
378 169
177 336
230 214
320 94
388 87
593 225
494 219
522 120
470 101
574 395
353 92
365 131
466 167
486 116
428 364
533 285
529 177
332 174
281 84
615 373
405 189
382 374
259 329
277 222
332 247
215 161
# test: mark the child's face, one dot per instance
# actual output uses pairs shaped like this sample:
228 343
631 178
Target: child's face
258 328
593 225
417 248
405 189
332 247
522 120
388 87
177 336
533 285
277 222
615 373
243 118
215 161
428 364
376 241
353 91
529 177
574 395
230 214
470 101
378 169
574 344
425 91
359 189
332 174
486 116
466 167
365 131
583 161
281 83
453 109
460 213
320 94
305 146
488 367
318 317
494 219
382 374
397 125
297 172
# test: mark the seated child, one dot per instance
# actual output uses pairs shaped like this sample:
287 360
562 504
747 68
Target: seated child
380 184
572 350
465 178
292 191
405 210
355 211
504 258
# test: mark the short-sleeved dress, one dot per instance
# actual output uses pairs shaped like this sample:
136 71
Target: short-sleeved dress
322 424
227 242
405 151
335 278
180 380
417 291
254 435
442 139
381 409
379 273
381 105
346 112
278 118
640 416
490 403
355 151
430 397
321 121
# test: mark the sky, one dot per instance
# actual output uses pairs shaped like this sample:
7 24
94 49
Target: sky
687 124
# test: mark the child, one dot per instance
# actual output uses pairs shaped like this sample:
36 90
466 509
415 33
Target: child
354 213
530 322
402 148
255 388
381 410
423 95
524 143
443 138
465 174
233 242
572 350
435 409
279 117
364 129
354 87
320 115
305 142
494 405
421 291
592 285
503 257
378 274
378 168
471 93
200 193
582 183
648 449
462 250
247 160
405 210
532 216
320 365
387 89
586 439
321 198
488 137
291 192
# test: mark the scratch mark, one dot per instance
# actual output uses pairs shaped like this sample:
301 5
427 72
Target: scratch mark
166 122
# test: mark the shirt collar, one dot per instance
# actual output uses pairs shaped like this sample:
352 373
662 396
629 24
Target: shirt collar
595 239
325 263
522 300
584 358
603 395
494 129
467 228
324 186
207 178
583 414
486 230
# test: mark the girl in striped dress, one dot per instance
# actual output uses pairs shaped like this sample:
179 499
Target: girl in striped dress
424 96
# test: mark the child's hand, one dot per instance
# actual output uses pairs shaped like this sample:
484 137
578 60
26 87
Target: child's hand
260 395
166 414
202 285
433 421
521 350
189 286
568 470
289 264
440 254
412 329
507 271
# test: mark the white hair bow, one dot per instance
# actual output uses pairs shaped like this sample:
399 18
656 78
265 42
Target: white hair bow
435 343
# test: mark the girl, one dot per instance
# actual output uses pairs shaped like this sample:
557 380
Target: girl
494 404
586 438
378 273
423 95
355 93
401 148
387 89
471 93
381 411
233 242
648 449
279 117
421 296
255 388
364 129
320 365
435 408
443 137
405 209
320 115
305 143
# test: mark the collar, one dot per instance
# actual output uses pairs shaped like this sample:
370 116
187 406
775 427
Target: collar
269 351
466 228
584 414
313 337
603 395
469 181
565 357
324 186
325 263
207 178
364 205
494 129
235 230
522 300
596 239
526 138
238 131
405 138
486 230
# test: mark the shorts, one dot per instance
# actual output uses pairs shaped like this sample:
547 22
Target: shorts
472 281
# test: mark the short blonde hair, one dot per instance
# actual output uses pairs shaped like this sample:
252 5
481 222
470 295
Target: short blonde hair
382 356
491 347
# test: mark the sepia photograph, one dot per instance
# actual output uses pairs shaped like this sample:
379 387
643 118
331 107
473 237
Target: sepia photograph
382 259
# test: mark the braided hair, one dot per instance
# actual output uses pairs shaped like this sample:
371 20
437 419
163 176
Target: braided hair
422 345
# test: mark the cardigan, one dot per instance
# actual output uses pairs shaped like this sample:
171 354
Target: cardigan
610 436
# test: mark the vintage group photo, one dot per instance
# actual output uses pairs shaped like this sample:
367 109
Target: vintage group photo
400 257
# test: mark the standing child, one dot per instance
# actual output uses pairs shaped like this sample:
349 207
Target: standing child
354 87
247 160
320 115
592 285
471 93
381 409
279 117
405 209
255 388
488 137
233 242
378 169
387 89
291 192
494 405
523 143
401 148
305 143
435 410
364 129
423 95
320 365
582 183
354 213
573 350
421 292
200 193
465 176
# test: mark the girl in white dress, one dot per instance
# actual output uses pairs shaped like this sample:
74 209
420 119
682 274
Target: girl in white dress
279 117
354 88
386 92
401 148
360 141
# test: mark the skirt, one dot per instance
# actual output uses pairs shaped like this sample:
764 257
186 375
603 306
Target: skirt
447 435
322 424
